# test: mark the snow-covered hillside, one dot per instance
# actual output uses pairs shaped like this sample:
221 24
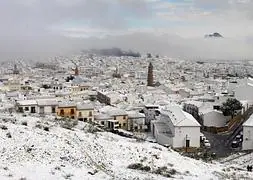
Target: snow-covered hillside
30 152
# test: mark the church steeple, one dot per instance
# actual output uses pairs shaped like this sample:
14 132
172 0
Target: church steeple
15 70
76 71
150 80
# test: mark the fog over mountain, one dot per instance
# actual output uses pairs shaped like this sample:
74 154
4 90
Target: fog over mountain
37 29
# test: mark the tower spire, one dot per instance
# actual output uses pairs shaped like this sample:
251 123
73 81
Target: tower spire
150 81
15 70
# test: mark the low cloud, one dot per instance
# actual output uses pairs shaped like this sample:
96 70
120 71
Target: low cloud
41 28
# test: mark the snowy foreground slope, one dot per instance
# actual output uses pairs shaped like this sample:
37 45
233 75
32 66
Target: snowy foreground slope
29 152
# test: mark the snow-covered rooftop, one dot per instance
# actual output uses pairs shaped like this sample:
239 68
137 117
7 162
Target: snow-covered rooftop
47 102
27 102
84 106
249 122
179 117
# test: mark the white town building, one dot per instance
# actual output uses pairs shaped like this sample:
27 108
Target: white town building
247 143
176 128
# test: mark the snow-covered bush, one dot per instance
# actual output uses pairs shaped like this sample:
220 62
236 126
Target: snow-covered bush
68 124
3 127
24 123
135 166
8 135
46 128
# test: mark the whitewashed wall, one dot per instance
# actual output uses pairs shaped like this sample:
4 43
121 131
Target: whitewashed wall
215 119
192 133
247 143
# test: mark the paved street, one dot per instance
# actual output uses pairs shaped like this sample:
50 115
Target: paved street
218 144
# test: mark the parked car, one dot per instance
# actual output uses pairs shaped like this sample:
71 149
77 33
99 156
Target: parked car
235 144
202 138
241 132
207 144
239 138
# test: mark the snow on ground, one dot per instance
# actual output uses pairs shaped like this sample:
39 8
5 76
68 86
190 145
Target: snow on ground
240 160
59 153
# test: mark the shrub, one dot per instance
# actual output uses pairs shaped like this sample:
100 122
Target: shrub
172 171
160 170
57 168
91 129
135 166
3 127
75 122
69 124
68 176
5 120
145 168
167 175
8 135
46 128
38 126
24 123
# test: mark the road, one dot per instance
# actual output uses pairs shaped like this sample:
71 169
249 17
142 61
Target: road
218 144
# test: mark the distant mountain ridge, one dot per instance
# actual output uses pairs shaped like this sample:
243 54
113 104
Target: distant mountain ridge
214 35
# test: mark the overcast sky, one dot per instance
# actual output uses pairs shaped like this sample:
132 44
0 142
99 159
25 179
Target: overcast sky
48 26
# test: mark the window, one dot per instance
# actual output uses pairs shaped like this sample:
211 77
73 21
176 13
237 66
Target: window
216 107
90 113
102 122
53 109
124 117
33 110
72 111
90 119
26 108
80 114
115 118
62 112
124 124
20 109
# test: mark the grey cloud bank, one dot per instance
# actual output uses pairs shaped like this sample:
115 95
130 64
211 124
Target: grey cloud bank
32 28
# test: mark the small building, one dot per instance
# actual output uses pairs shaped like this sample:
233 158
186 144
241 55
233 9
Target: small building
80 87
103 98
247 143
121 116
14 85
151 113
176 128
213 118
85 112
192 107
245 91
66 110
109 97
26 106
47 106
136 122
106 121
